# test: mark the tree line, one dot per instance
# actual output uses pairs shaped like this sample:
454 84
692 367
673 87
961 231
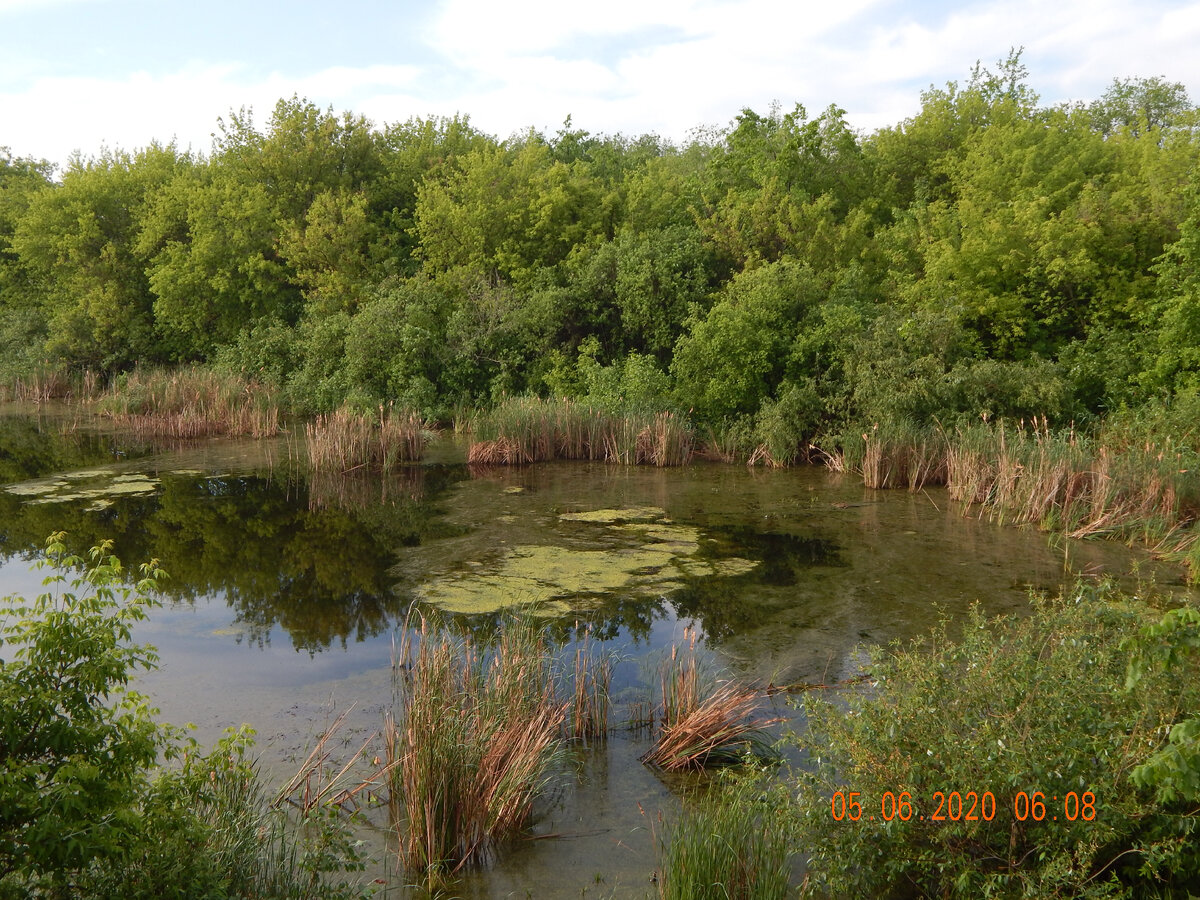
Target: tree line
989 256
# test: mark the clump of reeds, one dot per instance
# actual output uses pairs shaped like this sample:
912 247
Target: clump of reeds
526 430
191 403
720 730
902 455
702 723
475 738
590 687
343 441
731 844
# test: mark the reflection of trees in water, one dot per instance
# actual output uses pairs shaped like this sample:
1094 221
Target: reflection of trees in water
360 490
318 570
628 618
726 606
31 447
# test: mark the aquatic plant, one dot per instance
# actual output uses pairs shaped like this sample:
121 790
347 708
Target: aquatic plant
700 722
527 429
1061 480
473 739
732 843
344 440
591 682
190 403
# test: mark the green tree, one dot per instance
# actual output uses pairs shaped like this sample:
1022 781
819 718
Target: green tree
77 743
81 241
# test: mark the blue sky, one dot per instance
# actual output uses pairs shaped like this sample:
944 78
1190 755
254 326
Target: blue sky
82 74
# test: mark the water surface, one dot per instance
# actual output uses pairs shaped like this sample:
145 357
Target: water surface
285 590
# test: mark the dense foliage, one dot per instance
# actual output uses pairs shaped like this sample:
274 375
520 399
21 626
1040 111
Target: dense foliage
779 277
85 810
1078 722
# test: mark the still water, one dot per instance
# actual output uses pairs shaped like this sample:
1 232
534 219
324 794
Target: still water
285 590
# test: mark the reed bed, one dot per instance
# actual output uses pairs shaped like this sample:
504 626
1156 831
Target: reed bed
344 441
475 738
528 430
1059 480
190 403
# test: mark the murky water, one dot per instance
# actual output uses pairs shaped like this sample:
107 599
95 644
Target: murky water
285 590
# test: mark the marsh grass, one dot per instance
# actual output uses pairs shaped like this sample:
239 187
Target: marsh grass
190 403
475 736
591 684
345 441
527 430
1057 479
703 723
731 843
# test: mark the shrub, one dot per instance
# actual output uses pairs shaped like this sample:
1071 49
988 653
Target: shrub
84 809
1016 705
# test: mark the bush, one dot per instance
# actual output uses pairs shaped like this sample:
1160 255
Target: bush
84 810
1017 705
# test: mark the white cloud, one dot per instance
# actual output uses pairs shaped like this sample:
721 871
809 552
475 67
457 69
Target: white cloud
640 66
59 115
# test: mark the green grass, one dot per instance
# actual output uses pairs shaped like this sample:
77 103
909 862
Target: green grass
733 843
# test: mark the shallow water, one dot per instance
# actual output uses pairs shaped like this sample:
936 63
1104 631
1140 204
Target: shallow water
285 591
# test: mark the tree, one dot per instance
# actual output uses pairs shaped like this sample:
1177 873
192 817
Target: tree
77 744
81 240
1137 105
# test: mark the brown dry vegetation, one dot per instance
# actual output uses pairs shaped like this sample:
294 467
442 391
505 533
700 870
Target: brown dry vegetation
343 441
190 403
530 430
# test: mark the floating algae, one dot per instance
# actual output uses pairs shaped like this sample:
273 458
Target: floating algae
98 485
653 556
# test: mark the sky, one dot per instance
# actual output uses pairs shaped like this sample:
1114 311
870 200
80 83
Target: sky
83 75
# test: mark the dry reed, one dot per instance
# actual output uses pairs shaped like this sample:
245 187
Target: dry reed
701 725
343 441
528 430
475 738
1059 480
590 686
191 403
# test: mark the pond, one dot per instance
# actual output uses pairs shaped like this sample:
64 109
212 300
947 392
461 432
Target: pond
286 590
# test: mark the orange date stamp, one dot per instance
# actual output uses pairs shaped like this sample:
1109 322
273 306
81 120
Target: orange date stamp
963 806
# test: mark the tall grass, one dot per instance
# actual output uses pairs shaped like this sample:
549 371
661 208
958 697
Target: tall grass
732 844
527 430
474 739
1063 480
591 683
343 441
702 723
190 403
